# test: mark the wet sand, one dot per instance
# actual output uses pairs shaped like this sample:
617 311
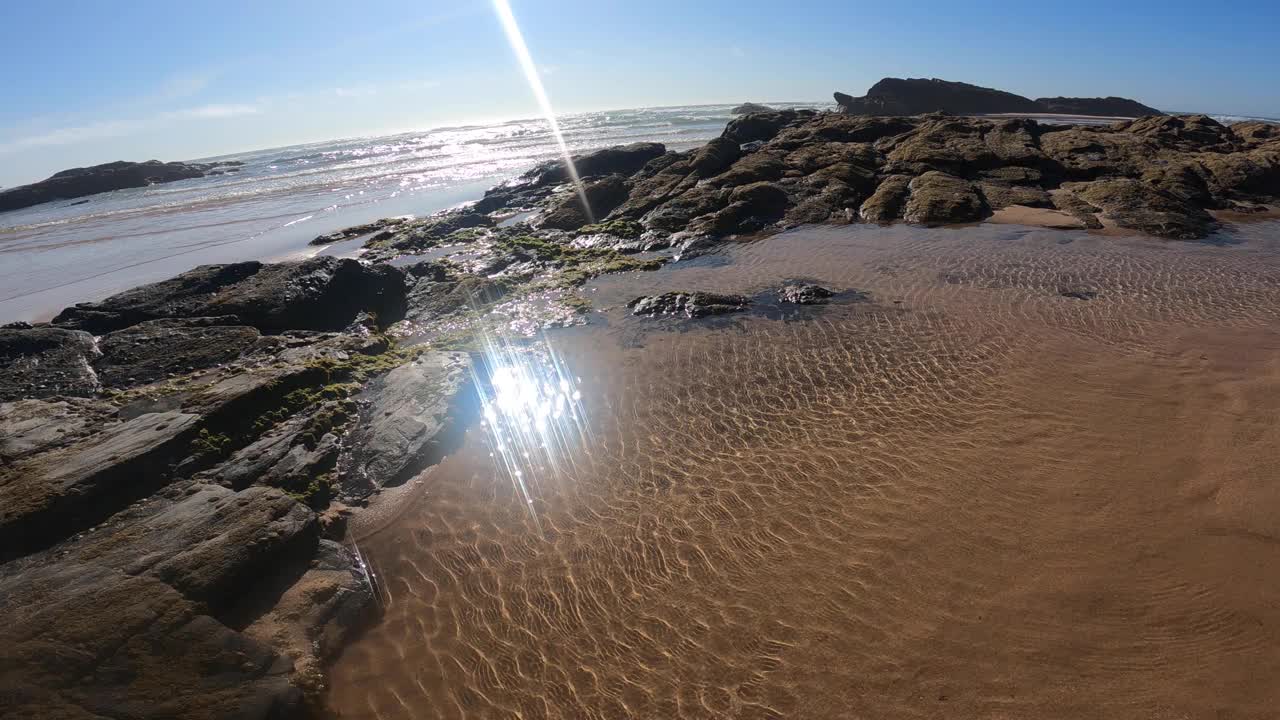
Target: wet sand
971 497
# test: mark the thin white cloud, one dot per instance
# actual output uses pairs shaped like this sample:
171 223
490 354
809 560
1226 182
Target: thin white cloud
119 128
185 84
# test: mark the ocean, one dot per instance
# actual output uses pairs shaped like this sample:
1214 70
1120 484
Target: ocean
61 253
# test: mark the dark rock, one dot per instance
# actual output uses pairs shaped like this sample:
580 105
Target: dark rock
1102 106
322 293
715 157
763 199
409 419
676 213
430 300
19 325
1137 206
44 361
51 496
1255 133
885 204
617 160
383 225
763 126
690 305
1185 132
156 349
1073 205
1001 196
937 198
118 175
602 196
753 167
750 107
1085 153
913 96
804 294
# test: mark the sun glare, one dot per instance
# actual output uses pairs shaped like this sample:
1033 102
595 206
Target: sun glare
518 46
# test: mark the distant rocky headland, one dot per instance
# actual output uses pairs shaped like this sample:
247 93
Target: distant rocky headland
178 461
913 96
119 175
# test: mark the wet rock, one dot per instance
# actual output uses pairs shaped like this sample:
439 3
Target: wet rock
676 213
381 227
156 349
715 157
51 496
19 325
617 160
763 199
87 641
407 421
317 615
430 300
1085 153
763 126
79 182
1137 206
804 294
602 196
755 167
688 304
322 293
937 198
962 146
45 361
885 204
750 107
1078 293
1076 207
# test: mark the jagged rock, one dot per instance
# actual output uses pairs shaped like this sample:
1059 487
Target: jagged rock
1085 153
750 107
430 300
1001 196
938 198
688 304
407 421
1076 207
380 229
119 175
763 199
1255 133
44 361
1185 132
33 426
1137 206
1102 106
602 196
51 496
293 455
804 294
715 157
885 204
156 349
754 167
1254 175
763 126
322 293
676 213
617 160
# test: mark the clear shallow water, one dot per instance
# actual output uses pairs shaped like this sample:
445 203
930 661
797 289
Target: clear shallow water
56 254
969 497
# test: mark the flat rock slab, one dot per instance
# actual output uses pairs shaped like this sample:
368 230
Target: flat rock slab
88 641
28 427
406 421
156 349
51 496
43 362
322 293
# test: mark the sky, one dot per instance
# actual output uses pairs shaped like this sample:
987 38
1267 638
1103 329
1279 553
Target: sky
84 82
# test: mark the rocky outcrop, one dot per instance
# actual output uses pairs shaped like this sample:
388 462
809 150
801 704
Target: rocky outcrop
915 96
322 293
936 198
750 107
688 304
798 293
406 421
79 182
1103 106
157 349
42 362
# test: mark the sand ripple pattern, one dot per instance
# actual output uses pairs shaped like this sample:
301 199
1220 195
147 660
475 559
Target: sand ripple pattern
982 500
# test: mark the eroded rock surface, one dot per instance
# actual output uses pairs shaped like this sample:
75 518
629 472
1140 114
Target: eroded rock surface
42 362
688 304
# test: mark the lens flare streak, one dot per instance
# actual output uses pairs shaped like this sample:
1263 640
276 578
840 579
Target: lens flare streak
521 50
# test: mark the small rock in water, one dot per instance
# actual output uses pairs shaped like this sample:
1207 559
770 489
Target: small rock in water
691 304
804 294
1079 293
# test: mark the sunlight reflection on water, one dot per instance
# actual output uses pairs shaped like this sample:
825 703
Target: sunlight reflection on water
533 413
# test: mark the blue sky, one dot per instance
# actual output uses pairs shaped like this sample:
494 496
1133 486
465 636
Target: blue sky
85 82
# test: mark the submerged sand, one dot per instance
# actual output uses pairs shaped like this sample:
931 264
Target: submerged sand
971 497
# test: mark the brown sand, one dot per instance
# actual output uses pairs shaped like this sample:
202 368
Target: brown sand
973 498
1036 217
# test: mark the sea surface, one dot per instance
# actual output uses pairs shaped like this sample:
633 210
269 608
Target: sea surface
60 253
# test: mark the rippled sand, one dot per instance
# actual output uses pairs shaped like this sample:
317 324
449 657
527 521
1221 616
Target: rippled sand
971 497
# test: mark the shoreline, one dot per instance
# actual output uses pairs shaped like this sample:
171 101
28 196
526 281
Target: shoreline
311 389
